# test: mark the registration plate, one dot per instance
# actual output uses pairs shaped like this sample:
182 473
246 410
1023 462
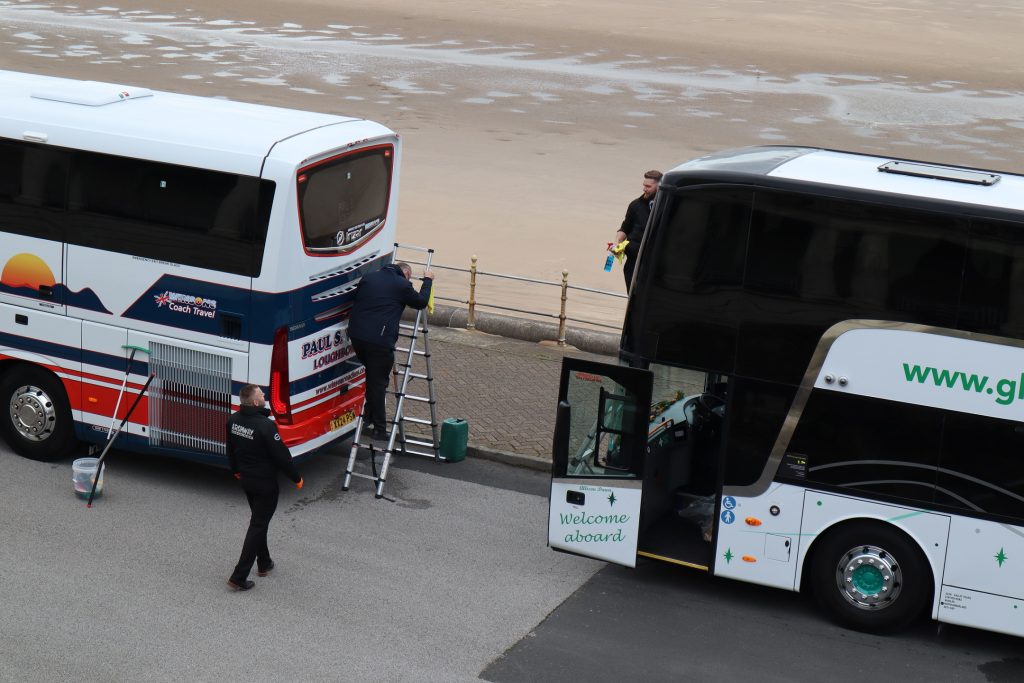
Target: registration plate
342 420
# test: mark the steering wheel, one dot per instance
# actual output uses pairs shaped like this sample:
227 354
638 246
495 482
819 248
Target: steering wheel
708 402
704 413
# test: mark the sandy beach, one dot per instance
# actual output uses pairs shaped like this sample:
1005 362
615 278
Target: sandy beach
528 124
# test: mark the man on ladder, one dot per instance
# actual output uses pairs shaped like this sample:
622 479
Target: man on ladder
373 328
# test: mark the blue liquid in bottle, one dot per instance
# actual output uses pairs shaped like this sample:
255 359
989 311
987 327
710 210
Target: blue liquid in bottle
608 263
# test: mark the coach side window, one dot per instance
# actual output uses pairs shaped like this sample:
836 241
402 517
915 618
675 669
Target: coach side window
994 279
32 184
874 447
813 261
982 469
167 212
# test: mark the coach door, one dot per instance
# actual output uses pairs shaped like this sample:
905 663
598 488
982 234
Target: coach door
598 454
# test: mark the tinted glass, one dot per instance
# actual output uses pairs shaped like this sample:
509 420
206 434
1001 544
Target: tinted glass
691 276
343 201
32 184
747 284
170 213
814 261
982 465
756 414
871 446
992 284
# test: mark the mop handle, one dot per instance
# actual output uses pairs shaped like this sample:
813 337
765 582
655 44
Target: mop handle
120 394
110 441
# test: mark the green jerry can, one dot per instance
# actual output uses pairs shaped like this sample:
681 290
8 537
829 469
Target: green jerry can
454 435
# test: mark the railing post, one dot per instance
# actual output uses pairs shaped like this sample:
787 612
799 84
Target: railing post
471 313
561 314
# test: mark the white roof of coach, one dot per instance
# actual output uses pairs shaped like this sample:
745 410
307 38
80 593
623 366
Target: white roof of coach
205 132
861 172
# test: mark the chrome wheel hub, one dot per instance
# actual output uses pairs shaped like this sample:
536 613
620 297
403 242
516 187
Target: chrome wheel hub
33 413
869 578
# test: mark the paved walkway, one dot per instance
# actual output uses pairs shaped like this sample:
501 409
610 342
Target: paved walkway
505 388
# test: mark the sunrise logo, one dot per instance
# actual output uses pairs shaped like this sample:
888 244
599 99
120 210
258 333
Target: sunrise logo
27 271
27 275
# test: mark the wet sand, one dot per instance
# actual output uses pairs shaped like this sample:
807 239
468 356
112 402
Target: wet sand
528 124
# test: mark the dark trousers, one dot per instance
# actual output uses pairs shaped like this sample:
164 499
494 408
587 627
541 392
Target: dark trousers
262 497
378 361
627 271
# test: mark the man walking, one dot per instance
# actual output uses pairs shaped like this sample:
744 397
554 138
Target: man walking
256 454
373 328
633 226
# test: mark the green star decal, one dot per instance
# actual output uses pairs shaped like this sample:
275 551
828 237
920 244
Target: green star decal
612 499
728 555
1001 557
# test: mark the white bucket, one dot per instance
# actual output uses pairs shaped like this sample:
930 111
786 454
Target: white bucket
83 471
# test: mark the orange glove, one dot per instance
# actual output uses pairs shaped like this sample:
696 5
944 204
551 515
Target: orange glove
238 475
299 483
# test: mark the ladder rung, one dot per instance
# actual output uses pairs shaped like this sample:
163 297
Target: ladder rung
421 399
418 353
407 326
362 476
417 442
419 421
414 248
412 375
429 455
371 446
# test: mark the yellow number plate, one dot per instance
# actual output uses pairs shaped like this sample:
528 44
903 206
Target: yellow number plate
341 421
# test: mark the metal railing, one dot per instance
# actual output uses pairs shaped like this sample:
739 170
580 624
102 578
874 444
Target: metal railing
472 302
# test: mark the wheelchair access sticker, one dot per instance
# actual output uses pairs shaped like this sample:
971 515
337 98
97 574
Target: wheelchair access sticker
728 516
729 503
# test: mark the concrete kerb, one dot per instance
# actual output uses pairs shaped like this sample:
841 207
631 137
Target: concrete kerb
519 328
506 458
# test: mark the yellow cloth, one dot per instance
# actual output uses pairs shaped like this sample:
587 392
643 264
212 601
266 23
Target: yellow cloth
619 250
430 300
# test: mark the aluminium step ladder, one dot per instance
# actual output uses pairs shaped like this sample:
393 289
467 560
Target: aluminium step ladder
412 364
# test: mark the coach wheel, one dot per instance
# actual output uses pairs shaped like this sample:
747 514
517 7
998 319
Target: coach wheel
871 577
37 423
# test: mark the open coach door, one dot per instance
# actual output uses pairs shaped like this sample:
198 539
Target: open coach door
598 454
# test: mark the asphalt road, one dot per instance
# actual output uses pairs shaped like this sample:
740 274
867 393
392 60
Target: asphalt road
431 586
666 623
450 580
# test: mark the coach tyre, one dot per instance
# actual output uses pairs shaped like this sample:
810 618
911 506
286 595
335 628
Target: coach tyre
37 423
869 576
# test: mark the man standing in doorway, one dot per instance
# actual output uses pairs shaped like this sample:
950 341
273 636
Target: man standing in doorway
256 454
633 226
373 328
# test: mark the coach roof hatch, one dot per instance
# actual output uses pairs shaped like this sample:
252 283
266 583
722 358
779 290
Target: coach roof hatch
91 93
957 175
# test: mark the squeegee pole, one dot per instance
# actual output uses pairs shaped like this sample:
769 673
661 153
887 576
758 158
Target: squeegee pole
110 441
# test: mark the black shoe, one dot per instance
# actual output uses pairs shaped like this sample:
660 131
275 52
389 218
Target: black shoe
266 570
379 434
241 586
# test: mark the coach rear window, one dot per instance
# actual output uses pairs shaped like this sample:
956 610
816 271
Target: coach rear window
343 201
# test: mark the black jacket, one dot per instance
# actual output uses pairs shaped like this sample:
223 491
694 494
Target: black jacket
380 299
255 449
637 214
